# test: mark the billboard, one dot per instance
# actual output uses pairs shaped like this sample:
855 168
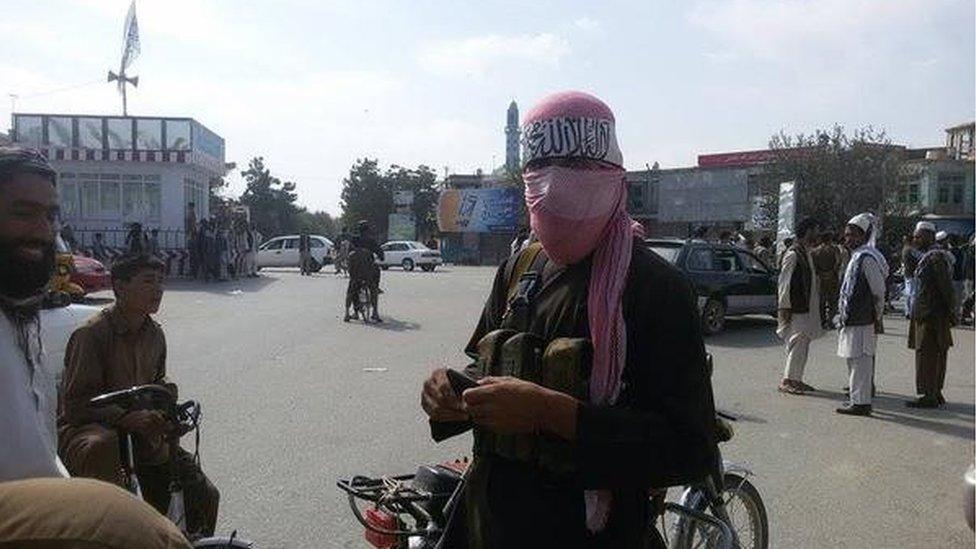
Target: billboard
401 227
478 210
787 211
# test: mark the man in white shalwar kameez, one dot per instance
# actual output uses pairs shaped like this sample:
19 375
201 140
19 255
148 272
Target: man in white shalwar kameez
861 310
799 306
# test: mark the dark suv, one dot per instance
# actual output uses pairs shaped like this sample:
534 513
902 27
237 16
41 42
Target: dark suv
729 281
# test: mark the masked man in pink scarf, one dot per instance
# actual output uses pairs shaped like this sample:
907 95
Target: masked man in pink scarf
593 386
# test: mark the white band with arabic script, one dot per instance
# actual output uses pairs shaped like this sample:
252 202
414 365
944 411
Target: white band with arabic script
571 137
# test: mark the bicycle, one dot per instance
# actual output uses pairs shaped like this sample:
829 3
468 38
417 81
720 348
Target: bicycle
183 419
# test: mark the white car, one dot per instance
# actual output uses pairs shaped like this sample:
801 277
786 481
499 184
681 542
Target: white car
408 255
57 325
282 251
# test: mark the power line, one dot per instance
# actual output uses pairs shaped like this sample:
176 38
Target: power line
57 90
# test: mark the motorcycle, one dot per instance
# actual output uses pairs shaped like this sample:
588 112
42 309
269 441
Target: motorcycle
183 418
722 511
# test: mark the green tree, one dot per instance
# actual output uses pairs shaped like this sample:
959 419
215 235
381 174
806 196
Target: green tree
317 223
838 175
366 194
422 182
271 201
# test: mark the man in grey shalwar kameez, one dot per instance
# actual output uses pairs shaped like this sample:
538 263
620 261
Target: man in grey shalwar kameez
861 309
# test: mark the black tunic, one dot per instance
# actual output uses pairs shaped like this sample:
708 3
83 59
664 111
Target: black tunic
659 433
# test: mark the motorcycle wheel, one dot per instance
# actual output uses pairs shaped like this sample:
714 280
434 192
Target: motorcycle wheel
747 515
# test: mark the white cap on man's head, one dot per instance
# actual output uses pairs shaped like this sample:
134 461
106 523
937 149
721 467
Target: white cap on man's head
941 235
924 226
862 221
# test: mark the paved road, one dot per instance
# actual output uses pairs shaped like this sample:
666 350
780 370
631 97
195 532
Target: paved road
290 406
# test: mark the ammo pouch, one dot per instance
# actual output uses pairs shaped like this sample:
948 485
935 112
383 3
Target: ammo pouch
563 365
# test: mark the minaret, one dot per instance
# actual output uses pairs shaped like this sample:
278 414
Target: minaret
512 139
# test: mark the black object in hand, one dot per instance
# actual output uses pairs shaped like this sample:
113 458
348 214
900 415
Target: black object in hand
460 382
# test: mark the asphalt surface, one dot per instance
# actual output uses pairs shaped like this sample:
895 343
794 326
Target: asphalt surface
293 398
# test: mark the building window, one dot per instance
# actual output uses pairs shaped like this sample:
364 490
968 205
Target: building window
90 133
908 194
957 194
109 198
119 133
943 194
59 132
178 135
635 197
68 196
195 192
114 196
29 130
89 198
149 134
913 193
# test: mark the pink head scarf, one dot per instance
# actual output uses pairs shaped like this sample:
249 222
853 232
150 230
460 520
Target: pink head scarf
579 211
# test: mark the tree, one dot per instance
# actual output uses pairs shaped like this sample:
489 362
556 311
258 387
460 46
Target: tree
422 182
368 194
838 176
271 201
316 223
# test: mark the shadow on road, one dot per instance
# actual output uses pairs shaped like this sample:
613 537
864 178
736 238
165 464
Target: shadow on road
745 332
394 325
890 407
241 285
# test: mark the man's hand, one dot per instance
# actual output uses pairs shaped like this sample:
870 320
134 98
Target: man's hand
507 405
438 399
148 423
785 316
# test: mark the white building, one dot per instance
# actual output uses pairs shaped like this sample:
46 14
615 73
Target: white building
114 170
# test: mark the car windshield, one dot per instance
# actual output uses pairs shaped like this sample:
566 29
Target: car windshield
670 253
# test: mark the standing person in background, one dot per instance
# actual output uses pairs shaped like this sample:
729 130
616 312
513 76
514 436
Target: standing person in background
933 315
766 252
304 253
68 235
787 243
799 306
135 241
862 300
98 249
223 252
909 259
152 243
826 261
256 246
958 272
343 247
969 261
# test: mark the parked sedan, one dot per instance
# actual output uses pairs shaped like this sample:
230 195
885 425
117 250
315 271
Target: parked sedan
409 254
282 251
729 281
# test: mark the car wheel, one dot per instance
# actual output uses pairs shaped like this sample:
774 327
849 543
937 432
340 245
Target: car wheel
384 267
314 266
407 264
427 268
713 316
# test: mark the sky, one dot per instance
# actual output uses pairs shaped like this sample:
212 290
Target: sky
314 85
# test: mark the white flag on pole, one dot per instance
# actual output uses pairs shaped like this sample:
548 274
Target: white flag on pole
130 49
